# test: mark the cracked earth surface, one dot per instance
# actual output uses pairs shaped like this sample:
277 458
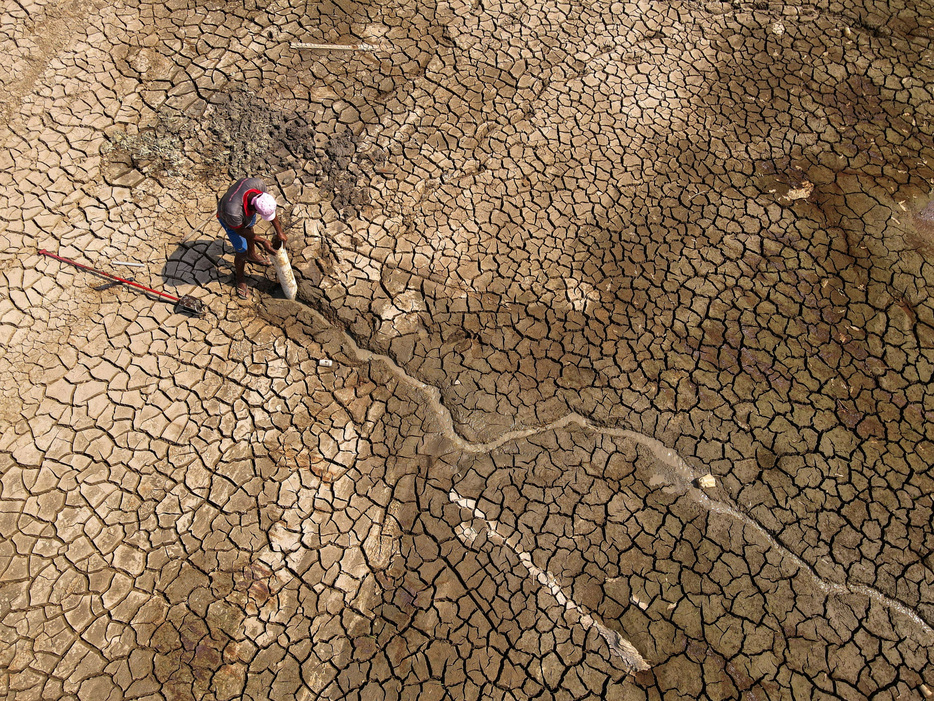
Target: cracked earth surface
558 263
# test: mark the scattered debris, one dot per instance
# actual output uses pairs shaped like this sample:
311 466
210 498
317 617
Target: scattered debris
126 262
154 150
926 691
800 193
639 602
325 362
793 181
706 482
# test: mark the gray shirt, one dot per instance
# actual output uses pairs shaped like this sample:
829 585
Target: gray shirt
232 209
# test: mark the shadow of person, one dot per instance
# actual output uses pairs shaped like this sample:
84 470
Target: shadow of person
205 261
196 263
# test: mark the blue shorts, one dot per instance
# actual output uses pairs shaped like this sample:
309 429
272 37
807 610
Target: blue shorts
239 243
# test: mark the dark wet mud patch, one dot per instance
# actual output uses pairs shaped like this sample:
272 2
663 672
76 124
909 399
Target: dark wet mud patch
238 133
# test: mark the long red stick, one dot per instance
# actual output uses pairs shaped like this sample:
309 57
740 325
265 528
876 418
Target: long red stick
164 295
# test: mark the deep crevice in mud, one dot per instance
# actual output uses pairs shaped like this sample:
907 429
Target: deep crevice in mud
674 469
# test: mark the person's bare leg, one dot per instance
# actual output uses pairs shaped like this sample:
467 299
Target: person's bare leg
251 254
239 279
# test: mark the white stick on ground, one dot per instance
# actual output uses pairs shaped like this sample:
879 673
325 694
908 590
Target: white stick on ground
628 655
334 47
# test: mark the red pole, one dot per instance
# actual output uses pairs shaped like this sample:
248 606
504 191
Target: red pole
164 295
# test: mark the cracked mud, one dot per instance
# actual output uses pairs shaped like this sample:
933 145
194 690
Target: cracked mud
559 266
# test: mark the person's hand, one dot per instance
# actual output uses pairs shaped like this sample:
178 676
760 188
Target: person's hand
282 237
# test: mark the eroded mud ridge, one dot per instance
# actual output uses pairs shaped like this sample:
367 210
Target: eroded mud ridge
557 262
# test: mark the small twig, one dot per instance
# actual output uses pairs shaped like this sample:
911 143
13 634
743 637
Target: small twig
108 285
195 231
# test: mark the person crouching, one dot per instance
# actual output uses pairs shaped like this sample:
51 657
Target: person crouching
236 212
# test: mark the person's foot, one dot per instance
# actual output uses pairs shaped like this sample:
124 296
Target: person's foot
242 291
259 260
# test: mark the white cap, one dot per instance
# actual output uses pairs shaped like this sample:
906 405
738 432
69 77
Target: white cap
266 206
